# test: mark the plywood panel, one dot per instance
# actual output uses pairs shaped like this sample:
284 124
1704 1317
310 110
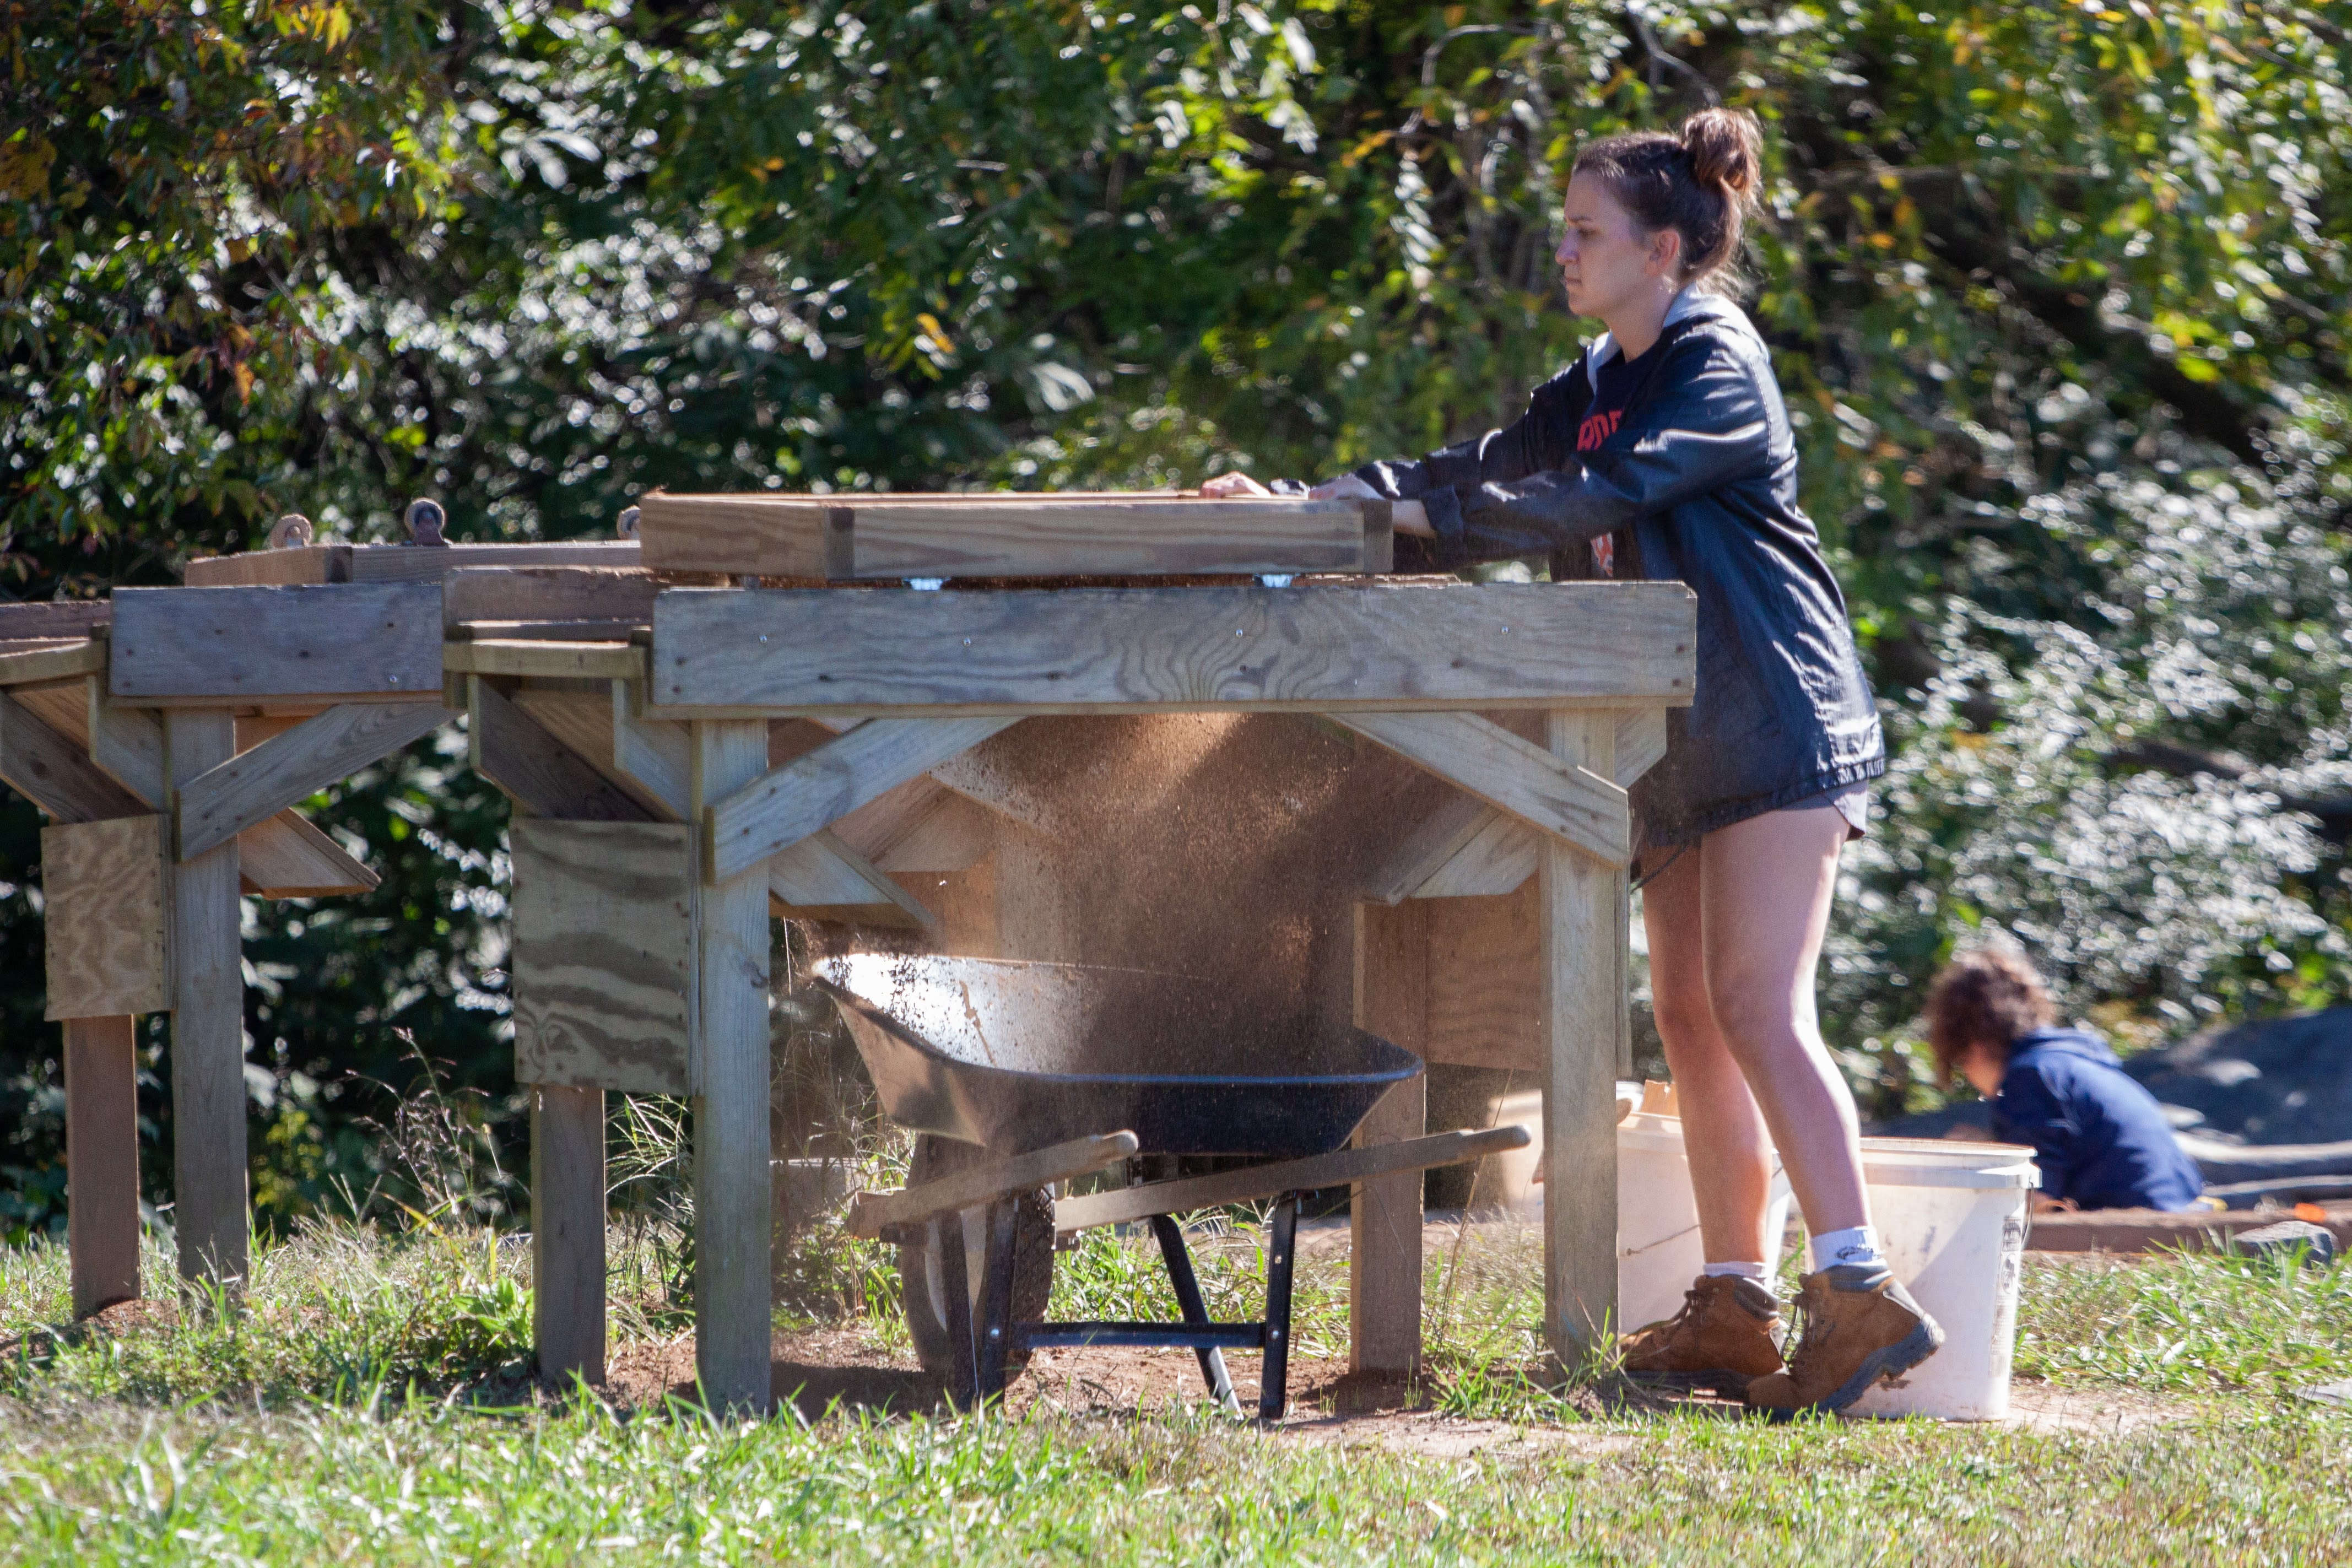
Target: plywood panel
603 956
1485 1002
1380 648
1010 535
103 883
220 647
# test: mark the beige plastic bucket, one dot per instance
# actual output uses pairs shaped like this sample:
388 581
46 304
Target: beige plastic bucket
1951 1220
1658 1247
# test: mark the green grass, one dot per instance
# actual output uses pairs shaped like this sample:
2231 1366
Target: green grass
370 1403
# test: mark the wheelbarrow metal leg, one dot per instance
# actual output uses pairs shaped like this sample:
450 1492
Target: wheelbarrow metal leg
1196 1311
993 1342
1281 1249
955 1289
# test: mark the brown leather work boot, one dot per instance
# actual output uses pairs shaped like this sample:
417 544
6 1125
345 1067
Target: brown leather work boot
1860 1327
1727 1333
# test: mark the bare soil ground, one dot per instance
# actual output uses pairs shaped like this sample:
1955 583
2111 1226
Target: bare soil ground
817 1368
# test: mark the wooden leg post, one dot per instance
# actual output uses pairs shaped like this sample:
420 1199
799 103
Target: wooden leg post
102 1160
1582 949
567 1231
731 1088
208 1026
1385 1214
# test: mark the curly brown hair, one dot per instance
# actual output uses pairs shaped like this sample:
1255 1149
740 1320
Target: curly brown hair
1990 996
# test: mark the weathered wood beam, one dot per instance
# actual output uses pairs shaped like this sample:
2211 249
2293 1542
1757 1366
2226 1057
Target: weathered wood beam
207 1024
872 1214
102 1160
254 785
1254 1181
786 805
1475 755
822 872
54 773
581 593
1385 647
1582 949
51 661
1390 1000
567 1231
317 563
1439 838
54 620
287 857
184 647
545 659
1641 743
730 1069
843 537
510 749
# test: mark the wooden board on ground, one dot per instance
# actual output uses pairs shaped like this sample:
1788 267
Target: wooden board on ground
859 536
317 563
103 914
228 647
1395 647
604 953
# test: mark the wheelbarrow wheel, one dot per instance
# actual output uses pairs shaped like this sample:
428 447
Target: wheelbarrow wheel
919 1275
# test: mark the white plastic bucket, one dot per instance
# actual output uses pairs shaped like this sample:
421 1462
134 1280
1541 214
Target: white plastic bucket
1658 1249
1951 1220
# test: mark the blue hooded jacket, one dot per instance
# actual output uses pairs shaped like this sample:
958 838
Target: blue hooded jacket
1698 485
2099 1137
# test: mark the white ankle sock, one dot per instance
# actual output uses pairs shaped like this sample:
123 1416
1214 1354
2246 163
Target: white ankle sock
1737 1271
1856 1245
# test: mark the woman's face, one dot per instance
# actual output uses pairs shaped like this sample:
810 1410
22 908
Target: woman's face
1605 258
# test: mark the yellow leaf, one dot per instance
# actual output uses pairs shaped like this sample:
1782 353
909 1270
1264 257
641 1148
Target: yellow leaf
938 334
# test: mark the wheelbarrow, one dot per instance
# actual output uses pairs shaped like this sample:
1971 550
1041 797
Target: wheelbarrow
1019 1076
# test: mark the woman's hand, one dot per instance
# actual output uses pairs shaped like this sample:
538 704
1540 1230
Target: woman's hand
1347 486
1232 486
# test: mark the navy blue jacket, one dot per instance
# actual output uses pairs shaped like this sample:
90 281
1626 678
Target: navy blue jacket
1697 485
2097 1135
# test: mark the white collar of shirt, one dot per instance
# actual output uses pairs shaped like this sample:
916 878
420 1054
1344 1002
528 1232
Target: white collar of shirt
1605 347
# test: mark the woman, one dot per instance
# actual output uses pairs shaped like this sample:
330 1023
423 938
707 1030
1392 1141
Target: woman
1665 453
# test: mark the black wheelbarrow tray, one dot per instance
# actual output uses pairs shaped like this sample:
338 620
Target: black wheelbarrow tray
1019 1076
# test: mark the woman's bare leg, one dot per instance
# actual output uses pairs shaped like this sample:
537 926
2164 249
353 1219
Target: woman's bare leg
1765 890
1723 1131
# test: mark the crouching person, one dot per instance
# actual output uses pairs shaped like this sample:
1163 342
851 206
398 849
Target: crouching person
2100 1138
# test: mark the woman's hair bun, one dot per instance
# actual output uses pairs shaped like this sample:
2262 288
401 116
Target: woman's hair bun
1725 147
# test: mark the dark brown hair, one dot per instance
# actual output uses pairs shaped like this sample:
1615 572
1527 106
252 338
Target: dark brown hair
1700 182
1990 996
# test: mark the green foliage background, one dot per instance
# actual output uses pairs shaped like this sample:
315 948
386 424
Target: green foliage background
2058 294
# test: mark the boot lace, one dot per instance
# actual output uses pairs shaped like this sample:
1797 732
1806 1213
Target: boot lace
1815 1327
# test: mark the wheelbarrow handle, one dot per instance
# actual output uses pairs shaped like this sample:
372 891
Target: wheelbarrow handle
871 1213
1255 1182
